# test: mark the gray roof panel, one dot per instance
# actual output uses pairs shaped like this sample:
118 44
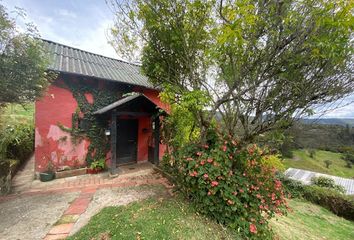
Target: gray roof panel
72 60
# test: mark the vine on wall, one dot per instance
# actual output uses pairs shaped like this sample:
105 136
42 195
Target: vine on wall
87 125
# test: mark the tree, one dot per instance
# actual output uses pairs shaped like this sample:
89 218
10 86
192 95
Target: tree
23 65
261 64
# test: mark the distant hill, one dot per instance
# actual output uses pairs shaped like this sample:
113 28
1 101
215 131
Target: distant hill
330 121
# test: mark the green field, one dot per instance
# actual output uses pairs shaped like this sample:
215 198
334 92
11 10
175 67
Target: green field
302 160
311 222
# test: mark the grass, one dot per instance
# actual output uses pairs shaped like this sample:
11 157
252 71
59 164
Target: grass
173 218
153 219
302 160
16 113
309 221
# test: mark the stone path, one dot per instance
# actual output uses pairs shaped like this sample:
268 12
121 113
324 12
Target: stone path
86 195
24 177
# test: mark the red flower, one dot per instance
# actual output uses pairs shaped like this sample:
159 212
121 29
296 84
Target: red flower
209 193
209 160
224 148
214 183
202 162
206 146
199 153
253 228
193 174
205 175
241 190
189 159
230 202
234 193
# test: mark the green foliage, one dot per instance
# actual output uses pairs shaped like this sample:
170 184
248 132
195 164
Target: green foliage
303 161
293 187
99 164
99 144
336 202
333 138
16 141
16 146
230 184
327 183
331 197
273 160
23 65
312 152
328 163
181 126
262 62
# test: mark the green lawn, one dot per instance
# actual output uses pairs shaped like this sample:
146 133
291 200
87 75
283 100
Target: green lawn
153 219
302 160
309 221
173 218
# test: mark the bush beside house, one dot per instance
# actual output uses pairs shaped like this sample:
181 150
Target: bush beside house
16 145
230 184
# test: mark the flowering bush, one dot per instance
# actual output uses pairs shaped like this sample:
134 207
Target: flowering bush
230 184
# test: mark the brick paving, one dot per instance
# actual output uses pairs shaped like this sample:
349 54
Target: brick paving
87 185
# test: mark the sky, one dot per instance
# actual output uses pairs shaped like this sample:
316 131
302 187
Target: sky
84 24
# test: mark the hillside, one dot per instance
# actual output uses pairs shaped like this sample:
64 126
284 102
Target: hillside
302 160
329 121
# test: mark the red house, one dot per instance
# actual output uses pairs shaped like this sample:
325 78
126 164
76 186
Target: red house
97 107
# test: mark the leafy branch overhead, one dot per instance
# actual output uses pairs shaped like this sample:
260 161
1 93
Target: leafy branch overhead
23 65
261 63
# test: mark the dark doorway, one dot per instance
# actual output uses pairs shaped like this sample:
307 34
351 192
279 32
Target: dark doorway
127 140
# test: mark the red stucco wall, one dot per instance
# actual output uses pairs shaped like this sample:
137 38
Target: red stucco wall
51 143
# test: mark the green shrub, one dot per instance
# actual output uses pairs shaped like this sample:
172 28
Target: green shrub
273 160
16 141
292 187
230 184
16 145
312 153
327 183
331 199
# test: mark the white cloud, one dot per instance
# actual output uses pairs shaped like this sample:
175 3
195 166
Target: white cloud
66 13
95 40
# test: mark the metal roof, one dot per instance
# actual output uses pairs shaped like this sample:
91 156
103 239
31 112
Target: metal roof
121 102
67 59
305 177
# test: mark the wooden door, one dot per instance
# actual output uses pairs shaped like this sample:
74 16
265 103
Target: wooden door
127 140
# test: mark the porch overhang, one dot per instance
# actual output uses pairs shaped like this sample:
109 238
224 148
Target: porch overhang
130 105
135 106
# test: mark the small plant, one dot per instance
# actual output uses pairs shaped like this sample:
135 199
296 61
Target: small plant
99 164
348 164
328 163
312 153
327 183
49 174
